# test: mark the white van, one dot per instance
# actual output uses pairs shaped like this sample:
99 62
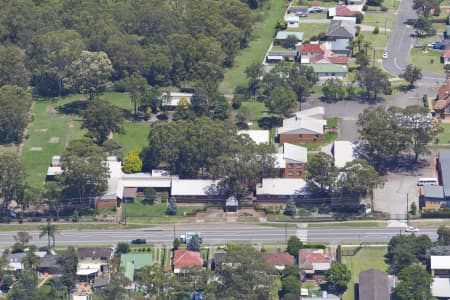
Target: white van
427 181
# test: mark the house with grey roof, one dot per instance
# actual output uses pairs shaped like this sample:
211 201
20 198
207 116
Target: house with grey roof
339 35
283 35
373 285
279 190
438 196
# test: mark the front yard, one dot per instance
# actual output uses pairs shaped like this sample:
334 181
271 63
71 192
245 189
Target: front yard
429 61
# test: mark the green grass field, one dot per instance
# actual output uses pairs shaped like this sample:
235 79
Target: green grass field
366 258
428 62
310 29
444 137
263 34
135 136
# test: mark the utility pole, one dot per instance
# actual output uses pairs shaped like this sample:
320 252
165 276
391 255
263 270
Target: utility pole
407 208
285 231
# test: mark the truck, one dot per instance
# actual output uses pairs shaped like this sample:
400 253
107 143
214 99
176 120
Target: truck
185 238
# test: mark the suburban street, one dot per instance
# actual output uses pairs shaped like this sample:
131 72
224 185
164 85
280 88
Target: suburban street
223 233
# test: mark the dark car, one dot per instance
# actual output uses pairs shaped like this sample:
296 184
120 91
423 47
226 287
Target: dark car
139 241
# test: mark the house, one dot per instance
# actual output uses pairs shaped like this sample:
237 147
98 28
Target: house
279 56
279 260
373 285
440 271
186 259
171 100
441 106
283 35
216 260
92 262
231 204
432 196
195 190
310 50
447 32
342 11
279 190
132 262
327 71
100 282
291 160
300 11
305 126
49 265
258 136
14 260
343 152
446 56
313 262
339 35
440 288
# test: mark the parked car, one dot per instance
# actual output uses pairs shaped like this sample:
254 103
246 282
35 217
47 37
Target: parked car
314 10
411 229
436 45
418 45
139 241
385 54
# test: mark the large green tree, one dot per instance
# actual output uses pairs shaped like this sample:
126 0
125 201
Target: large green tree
137 87
68 261
48 230
373 81
443 233
333 89
414 284
101 118
12 177
13 70
15 103
321 172
358 179
338 277
411 74
25 286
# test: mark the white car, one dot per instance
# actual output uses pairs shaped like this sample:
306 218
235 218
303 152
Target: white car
411 229
385 54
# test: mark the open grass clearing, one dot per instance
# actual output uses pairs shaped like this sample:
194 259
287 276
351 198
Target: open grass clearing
263 34
135 136
366 258
257 109
429 61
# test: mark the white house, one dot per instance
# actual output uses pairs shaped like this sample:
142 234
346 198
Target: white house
171 99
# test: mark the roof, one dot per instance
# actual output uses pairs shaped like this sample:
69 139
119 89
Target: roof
447 28
282 35
341 29
343 152
315 3
49 261
94 253
258 136
433 191
142 180
344 11
440 287
193 187
310 258
231 201
295 153
135 261
281 186
88 268
100 281
444 162
279 259
183 259
338 59
302 125
329 68
373 285
53 171
287 53
440 262
313 112
297 9
311 48
446 53
173 98
444 90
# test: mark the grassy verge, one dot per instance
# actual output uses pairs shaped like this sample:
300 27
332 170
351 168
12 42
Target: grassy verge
256 50
366 258
430 61
349 224
69 226
444 136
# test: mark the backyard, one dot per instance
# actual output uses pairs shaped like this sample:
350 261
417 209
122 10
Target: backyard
361 262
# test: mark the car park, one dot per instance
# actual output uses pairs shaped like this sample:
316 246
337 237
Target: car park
138 241
411 229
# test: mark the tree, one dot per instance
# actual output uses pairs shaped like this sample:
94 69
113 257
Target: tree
405 250
291 208
153 278
362 60
281 100
23 238
100 119
53 194
243 263
115 290
423 26
443 235
321 172
176 243
68 260
89 74
358 178
14 115
290 285
413 209
137 87
25 286
373 80
48 230
12 177
414 284
194 243
294 245
123 248
13 70
333 89
31 260
254 73
150 195
290 41
411 74
132 163
338 277
85 172
172 207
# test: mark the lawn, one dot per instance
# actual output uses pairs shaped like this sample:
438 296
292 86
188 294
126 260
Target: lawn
444 136
257 109
366 258
428 62
328 138
310 29
262 38
135 136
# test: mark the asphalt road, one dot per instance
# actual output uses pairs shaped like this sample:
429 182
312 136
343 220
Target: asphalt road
401 41
223 233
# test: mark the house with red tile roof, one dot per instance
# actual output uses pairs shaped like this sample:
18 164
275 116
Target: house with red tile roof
183 260
442 104
311 50
315 4
279 260
313 262
342 11
446 56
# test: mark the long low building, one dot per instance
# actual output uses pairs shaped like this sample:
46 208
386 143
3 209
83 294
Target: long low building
279 190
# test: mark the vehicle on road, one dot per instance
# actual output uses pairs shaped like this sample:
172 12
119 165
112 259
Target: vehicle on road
411 229
427 181
138 242
186 238
385 54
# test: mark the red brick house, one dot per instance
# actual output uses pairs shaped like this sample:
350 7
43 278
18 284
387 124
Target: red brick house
291 161
279 260
186 259
441 106
313 262
304 127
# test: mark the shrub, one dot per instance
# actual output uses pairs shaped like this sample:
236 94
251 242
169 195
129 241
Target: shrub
436 213
384 8
365 7
281 24
164 197
132 162
123 248
359 18
36 219
376 30
75 216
